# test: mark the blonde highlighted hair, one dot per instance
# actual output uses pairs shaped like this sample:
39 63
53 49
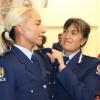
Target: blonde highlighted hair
15 16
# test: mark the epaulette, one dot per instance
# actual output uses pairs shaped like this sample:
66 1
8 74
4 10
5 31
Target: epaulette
93 58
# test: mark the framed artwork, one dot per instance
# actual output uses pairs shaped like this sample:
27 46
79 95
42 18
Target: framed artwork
34 3
5 5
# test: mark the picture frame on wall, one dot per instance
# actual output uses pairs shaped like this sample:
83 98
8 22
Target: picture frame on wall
36 4
6 5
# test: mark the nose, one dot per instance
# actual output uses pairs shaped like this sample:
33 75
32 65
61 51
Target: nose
67 34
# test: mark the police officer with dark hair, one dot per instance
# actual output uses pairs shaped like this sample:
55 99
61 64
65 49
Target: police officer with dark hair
57 45
22 71
78 78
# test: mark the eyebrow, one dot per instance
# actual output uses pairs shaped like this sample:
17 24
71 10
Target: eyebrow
73 30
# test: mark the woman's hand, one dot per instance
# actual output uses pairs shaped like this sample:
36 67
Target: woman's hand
57 55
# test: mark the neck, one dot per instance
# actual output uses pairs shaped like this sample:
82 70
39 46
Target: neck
25 45
68 53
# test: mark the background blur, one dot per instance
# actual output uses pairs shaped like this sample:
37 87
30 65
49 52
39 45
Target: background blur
55 12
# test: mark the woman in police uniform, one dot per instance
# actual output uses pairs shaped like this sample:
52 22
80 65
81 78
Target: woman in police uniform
22 71
79 77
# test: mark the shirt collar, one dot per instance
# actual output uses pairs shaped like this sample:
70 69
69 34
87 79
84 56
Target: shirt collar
72 55
25 51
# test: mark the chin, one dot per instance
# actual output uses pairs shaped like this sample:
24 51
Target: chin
39 43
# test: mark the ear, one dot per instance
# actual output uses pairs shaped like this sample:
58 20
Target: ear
83 42
19 29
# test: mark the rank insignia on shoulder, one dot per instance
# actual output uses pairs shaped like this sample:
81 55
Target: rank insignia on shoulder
2 73
98 70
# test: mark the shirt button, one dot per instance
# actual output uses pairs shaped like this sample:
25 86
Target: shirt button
32 91
49 83
54 82
48 72
52 96
44 86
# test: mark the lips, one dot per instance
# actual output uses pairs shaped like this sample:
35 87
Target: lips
66 41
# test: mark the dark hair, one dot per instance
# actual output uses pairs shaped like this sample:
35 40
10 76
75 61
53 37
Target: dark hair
43 42
7 41
12 33
59 34
44 39
80 25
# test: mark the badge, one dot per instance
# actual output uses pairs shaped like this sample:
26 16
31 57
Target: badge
97 97
98 70
2 73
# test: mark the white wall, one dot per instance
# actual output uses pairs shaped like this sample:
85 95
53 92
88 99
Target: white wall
58 11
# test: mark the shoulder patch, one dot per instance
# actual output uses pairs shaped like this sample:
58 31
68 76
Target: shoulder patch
98 69
2 74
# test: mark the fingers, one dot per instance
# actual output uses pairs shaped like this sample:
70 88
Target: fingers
52 59
58 55
54 50
55 55
51 56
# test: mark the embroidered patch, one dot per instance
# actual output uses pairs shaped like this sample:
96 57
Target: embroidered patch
98 70
2 73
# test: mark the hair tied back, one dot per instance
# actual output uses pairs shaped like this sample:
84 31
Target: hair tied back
7 36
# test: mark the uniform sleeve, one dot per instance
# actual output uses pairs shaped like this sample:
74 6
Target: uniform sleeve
84 89
53 46
6 85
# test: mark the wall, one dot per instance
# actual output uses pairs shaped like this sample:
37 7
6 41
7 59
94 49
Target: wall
60 10
98 17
